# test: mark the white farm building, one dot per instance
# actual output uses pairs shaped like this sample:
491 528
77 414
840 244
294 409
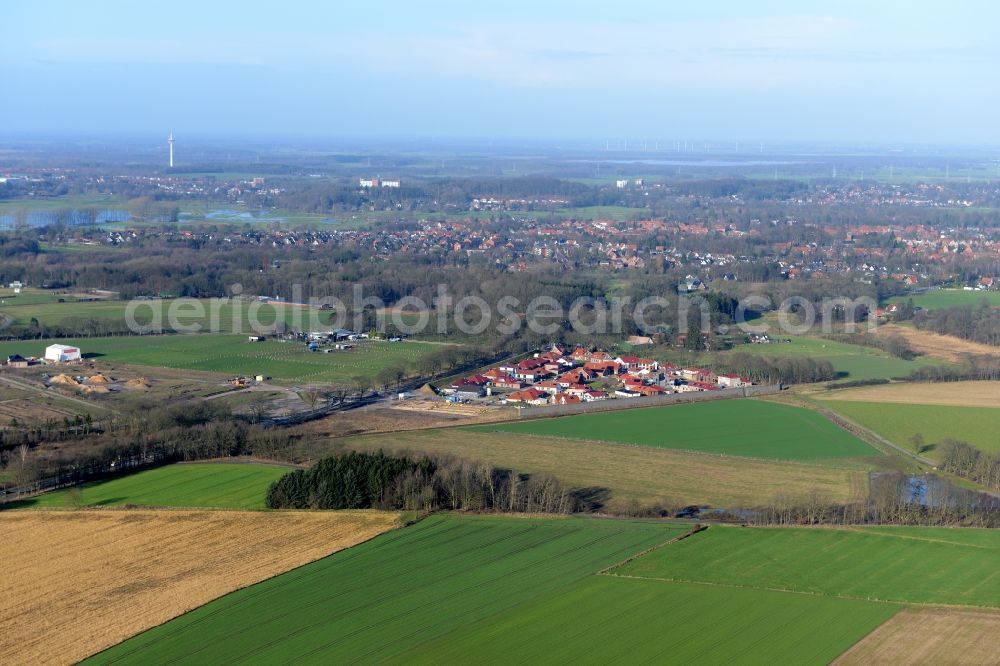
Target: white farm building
62 353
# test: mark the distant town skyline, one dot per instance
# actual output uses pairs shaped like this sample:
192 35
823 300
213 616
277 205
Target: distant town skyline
850 71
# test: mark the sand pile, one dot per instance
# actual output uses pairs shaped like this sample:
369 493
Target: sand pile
138 383
99 379
95 389
64 380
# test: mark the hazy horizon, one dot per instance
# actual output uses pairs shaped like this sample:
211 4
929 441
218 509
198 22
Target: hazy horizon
907 74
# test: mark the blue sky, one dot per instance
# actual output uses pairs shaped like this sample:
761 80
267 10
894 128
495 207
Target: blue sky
920 72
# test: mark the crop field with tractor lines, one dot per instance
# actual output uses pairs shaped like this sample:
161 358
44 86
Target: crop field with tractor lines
979 426
466 588
749 428
189 485
906 565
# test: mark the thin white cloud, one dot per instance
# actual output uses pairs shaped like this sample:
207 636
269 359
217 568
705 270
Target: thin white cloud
135 50
698 53
799 52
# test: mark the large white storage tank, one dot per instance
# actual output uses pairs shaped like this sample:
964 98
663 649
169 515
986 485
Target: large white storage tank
62 353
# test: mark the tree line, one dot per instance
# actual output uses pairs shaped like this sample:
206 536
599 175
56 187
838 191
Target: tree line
971 368
976 323
961 459
378 480
891 501
894 344
777 370
91 448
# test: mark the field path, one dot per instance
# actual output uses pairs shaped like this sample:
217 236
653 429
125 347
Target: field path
27 386
856 429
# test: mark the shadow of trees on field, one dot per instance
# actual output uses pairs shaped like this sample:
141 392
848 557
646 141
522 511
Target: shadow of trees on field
591 498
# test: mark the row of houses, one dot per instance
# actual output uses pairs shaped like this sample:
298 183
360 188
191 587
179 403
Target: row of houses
560 377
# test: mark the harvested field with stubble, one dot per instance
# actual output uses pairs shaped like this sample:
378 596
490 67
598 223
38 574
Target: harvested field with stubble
944 347
957 394
391 419
640 473
77 582
930 636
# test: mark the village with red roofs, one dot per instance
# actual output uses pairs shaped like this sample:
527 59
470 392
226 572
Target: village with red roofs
561 376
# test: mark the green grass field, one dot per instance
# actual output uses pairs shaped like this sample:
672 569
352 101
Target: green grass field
905 565
8 299
239 215
467 589
608 620
234 355
220 315
216 485
855 361
53 313
203 315
224 175
604 213
950 298
78 248
103 201
752 428
979 426
221 213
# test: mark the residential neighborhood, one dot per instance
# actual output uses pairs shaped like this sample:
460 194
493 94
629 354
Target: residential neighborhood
560 376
